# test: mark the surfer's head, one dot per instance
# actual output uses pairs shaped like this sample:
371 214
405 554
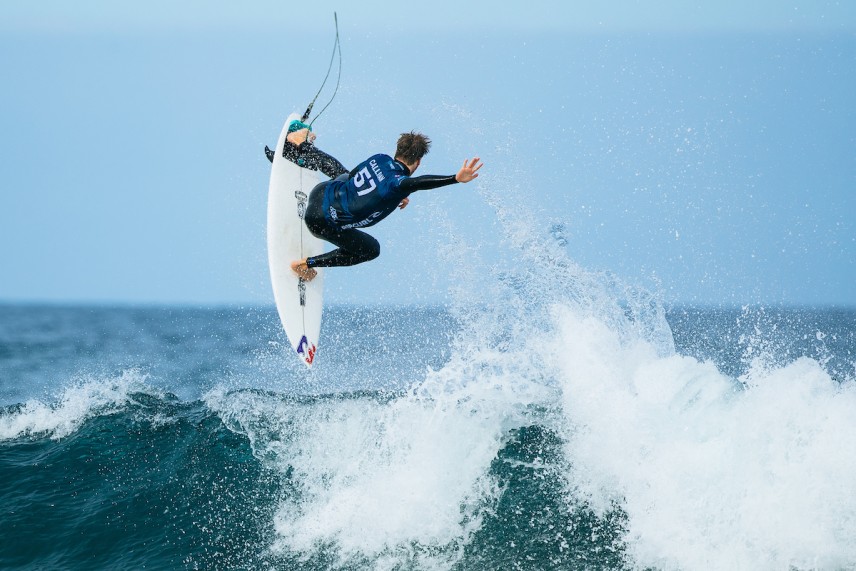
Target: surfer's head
411 148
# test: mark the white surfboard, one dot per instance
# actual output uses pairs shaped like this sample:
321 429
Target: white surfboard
298 302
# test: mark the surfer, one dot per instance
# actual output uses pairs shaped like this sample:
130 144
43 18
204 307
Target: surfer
338 208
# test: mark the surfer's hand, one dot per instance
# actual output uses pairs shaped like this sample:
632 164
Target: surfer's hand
469 171
404 202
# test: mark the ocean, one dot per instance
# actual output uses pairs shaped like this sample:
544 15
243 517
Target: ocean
570 423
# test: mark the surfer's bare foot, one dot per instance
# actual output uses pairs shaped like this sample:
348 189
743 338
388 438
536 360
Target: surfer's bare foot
300 136
300 268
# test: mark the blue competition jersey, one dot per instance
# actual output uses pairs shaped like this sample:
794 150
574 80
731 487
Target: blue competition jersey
372 193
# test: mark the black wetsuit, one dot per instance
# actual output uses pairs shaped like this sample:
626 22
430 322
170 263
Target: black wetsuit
311 157
307 155
365 196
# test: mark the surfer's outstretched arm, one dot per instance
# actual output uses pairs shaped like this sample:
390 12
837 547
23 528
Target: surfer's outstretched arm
467 173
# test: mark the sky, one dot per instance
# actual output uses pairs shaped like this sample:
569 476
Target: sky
702 148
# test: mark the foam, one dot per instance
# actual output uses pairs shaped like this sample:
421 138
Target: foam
713 473
72 408
380 478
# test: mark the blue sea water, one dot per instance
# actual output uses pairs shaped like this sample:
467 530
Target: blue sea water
459 437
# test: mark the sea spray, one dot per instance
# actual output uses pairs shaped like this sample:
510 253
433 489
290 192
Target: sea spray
374 476
407 476
711 472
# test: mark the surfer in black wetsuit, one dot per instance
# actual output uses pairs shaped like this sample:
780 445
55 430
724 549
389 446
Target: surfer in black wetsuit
338 208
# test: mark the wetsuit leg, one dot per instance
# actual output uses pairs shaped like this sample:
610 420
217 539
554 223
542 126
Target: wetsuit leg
354 246
311 157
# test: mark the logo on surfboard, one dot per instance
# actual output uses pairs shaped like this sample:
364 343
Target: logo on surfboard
301 291
306 350
301 203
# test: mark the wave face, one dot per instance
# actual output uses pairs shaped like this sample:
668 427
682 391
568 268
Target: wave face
118 476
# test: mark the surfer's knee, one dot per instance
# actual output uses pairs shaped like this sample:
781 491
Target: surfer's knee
371 249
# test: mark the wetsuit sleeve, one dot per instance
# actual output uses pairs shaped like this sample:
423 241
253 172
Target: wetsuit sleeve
425 182
311 157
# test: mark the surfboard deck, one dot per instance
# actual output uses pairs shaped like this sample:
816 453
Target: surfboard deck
298 302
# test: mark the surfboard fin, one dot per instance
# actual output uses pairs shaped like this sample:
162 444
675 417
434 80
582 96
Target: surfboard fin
268 153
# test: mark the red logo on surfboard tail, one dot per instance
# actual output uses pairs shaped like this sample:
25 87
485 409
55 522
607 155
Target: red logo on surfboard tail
306 349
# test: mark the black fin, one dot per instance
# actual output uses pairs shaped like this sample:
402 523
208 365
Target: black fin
268 153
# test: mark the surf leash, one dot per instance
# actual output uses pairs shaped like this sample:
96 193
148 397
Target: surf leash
337 48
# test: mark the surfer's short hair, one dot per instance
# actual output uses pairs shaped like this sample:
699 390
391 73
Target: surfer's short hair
412 147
